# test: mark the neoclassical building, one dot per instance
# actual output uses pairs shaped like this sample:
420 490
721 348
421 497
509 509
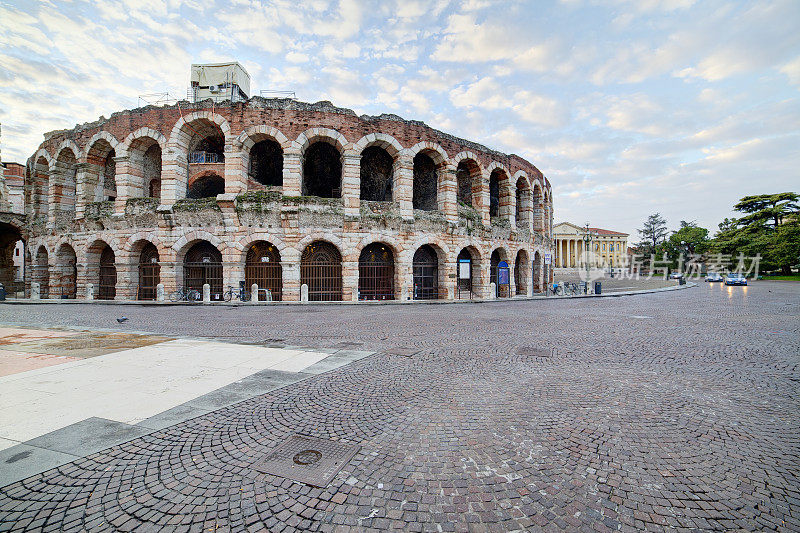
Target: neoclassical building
281 194
609 248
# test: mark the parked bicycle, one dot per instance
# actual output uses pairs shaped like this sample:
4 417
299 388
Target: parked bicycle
240 294
187 295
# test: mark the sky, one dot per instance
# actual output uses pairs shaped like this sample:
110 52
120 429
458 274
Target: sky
628 107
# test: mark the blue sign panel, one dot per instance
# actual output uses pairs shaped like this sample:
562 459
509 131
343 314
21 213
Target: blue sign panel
503 277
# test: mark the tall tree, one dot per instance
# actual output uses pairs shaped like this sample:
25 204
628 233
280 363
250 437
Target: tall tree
690 238
652 234
767 209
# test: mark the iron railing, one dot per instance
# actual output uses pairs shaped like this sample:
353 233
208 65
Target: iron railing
195 275
426 281
149 278
205 157
324 280
107 288
375 281
267 276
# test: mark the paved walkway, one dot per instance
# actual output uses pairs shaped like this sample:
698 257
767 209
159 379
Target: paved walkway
667 410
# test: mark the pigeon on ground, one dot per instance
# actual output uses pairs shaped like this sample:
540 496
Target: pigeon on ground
121 320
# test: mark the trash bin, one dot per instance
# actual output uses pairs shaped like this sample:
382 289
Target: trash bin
2 292
682 281
597 287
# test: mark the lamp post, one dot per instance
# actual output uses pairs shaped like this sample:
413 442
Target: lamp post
587 239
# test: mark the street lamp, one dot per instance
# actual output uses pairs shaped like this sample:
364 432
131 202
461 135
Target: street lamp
587 238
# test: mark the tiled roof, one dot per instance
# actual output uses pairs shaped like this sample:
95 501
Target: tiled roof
601 231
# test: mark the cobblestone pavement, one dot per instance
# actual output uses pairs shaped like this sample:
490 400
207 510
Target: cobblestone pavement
668 410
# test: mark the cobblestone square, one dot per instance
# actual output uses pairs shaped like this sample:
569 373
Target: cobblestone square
674 410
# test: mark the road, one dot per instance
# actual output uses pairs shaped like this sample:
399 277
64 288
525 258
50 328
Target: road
675 409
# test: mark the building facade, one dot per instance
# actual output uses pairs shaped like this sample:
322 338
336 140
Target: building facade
608 248
281 194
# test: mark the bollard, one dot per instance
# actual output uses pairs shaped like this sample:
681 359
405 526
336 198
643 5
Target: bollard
492 291
36 293
160 292
90 291
254 292
304 293
206 293
268 294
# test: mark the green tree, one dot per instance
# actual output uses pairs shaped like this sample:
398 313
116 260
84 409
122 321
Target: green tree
690 238
652 234
770 228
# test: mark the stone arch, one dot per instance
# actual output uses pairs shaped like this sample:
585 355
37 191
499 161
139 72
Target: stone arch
523 202
198 141
469 179
145 256
521 272
501 197
499 255
429 271
200 262
41 270
65 283
40 185
10 236
321 271
262 266
205 184
538 208
383 140
377 272
322 160
331 136
537 272
145 149
472 285
383 182
101 269
63 186
101 167
182 245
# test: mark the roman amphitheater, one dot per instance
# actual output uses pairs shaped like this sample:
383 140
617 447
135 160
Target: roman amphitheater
279 193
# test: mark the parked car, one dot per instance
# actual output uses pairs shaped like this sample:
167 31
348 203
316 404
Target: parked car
676 275
735 279
714 276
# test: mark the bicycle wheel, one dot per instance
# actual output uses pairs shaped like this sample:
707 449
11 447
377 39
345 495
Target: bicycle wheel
227 296
193 295
175 296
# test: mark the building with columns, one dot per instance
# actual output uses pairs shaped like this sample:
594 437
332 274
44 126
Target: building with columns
281 194
609 249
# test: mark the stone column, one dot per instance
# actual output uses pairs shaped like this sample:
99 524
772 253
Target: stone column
349 281
291 281
404 185
124 181
174 169
447 196
485 200
236 166
292 173
449 283
351 185
81 176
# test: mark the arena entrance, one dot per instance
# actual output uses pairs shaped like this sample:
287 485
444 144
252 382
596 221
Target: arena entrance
41 272
66 286
107 288
263 267
203 264
321 271
9 237
500 275
464 287
149 272
376 273
426 273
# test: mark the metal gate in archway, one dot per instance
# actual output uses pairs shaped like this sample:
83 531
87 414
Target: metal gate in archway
263 267
426 274
203 264
107 287
376 273
464 275
149 273
500 275
321 271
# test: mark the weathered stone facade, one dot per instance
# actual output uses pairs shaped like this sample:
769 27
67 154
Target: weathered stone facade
142 178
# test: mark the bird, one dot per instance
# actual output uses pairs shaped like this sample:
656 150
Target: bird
123 319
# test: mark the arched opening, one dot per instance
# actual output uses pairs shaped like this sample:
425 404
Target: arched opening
41 188
538 209
321 271
107 288
521 271
101 172
205 154
494 195
206 186
376 273
425 267
468 176
149 272
41 272
537 272
426 183
145 168
322 171
66 286
12 257
500 274
66 170
523 204
266 164
263 267
203 264
468 274
376 174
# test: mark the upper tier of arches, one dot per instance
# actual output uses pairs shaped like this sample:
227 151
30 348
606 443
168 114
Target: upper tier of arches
202 156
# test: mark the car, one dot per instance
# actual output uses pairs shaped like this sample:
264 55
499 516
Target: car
714 276
735 279
676 275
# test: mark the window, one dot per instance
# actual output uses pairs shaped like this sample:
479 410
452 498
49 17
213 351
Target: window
604 247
